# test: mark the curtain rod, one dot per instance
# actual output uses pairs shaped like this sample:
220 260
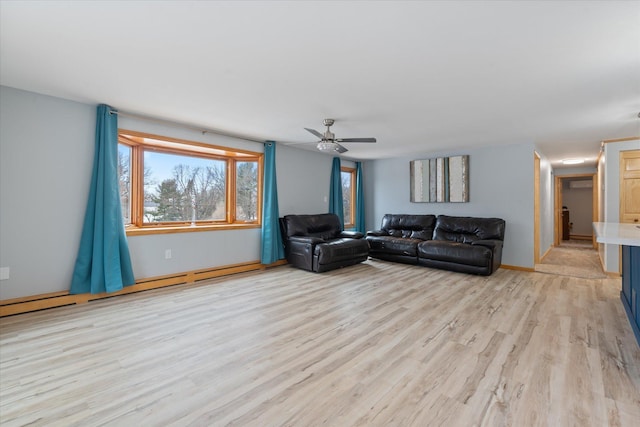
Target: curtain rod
185 126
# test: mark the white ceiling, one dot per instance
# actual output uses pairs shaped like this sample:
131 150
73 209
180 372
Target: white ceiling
419 76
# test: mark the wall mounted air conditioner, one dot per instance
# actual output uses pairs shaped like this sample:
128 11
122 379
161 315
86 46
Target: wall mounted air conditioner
581 184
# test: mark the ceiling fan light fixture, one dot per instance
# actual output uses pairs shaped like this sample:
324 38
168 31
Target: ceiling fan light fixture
326 146
329 143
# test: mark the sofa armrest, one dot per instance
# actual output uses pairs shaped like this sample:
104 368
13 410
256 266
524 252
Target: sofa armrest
491 244
352 234
300 249
306 240
377 233
496 249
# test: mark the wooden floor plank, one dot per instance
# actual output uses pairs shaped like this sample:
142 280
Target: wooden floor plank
373 344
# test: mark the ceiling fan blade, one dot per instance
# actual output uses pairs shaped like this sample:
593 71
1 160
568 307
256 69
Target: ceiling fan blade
356 140
340 149
315 132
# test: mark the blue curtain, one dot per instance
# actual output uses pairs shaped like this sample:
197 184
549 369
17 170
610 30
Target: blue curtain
103 263
272 249
335 191
360 226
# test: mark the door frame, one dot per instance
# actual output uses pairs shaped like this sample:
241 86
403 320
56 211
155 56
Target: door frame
557 208
626 154
536 208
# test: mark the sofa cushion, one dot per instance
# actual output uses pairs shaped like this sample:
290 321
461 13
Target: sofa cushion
459 253
409 226
323 226
468 229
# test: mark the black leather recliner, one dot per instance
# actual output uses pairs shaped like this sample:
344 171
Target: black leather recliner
317 243
398 237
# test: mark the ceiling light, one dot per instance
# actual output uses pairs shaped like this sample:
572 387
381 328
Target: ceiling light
326 146
572 161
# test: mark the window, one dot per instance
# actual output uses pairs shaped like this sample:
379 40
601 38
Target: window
247 191
169 185
348 176
124 175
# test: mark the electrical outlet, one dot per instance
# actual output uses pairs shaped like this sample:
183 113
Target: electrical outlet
4 273
167 254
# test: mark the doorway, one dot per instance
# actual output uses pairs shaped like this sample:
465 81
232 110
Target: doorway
576 208
574 252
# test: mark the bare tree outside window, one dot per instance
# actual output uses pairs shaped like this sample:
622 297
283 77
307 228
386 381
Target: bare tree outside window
124 175
347 177
186 184
247 191
196 190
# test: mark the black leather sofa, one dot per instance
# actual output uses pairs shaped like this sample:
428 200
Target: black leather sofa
462 244
317 242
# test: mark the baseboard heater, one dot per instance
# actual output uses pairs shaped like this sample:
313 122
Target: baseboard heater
58 299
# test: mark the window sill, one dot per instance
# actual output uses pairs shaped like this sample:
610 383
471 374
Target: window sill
141 231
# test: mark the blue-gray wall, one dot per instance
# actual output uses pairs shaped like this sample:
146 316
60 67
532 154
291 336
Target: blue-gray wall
546 205
303 180
46 156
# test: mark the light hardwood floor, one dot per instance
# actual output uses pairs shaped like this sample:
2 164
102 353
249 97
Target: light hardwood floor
378 344
577 260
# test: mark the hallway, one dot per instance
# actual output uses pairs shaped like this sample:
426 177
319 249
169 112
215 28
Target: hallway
575 258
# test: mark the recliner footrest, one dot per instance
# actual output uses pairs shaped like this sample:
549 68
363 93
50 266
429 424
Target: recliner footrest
341 250
461 253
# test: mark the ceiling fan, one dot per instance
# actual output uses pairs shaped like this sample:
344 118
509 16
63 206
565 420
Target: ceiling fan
329 142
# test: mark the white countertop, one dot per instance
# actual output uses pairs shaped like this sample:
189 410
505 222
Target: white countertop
617 233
